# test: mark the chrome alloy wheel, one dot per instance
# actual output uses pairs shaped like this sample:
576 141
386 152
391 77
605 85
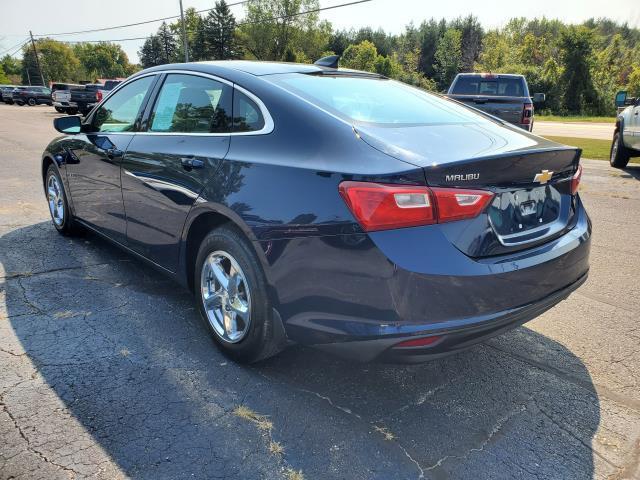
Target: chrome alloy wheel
56 200
225 296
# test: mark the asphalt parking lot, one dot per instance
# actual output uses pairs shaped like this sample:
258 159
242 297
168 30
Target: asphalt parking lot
107 372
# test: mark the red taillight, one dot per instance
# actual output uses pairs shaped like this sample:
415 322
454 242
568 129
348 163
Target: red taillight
418 342
527 113
98 96
384 207
575 180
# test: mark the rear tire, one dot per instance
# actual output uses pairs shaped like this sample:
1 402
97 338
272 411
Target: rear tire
72 111
60 109
58 203
619 155
32 102
238 317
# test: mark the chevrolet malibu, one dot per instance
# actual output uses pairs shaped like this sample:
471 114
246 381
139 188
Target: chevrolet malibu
320 206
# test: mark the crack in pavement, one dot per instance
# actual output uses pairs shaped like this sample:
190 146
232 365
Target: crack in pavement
497 427
70 471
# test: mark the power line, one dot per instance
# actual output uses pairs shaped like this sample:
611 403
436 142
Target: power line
144 22
19 44
315 10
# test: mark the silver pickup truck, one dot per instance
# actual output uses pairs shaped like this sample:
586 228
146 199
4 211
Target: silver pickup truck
502 95
626 136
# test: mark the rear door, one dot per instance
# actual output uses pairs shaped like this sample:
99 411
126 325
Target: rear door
165 169
94 160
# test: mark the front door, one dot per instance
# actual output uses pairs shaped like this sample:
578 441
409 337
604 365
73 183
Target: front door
94 164
165 168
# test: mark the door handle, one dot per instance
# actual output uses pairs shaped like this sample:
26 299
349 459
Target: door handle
114 153
189 163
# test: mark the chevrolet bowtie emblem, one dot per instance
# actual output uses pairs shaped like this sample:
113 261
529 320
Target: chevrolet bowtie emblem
543 177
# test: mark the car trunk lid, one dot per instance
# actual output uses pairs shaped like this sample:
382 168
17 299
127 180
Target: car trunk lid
529 176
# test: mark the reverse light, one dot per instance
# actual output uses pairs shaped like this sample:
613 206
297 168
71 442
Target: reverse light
575 180
379 206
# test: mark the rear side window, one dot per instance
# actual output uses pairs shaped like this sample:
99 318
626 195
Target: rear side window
503 87
246 114
192 104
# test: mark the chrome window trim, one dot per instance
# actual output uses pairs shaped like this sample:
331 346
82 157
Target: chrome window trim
265 130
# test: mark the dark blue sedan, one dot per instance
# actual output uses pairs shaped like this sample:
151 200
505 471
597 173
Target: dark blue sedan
327 207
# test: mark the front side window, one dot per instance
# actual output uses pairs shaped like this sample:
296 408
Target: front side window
120 111
192 104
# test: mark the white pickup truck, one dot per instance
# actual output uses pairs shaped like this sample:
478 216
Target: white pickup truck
626 136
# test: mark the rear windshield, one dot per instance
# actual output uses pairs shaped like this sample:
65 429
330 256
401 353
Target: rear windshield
375 100
502 87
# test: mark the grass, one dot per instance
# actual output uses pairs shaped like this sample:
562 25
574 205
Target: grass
574 118
591 148
261 421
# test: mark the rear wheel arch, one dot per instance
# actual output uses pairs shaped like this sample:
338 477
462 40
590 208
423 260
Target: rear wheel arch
200 226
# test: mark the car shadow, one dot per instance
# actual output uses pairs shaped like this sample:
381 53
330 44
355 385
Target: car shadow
124 350
632 171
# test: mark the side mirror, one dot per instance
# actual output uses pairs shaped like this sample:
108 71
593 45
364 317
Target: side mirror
539 97
68 125
621 98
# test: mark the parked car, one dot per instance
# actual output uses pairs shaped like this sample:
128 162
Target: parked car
505 96
61 96
31 95
327 207
5 93
626 136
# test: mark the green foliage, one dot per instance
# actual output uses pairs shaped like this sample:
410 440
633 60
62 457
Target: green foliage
633 82
3 76
576 53
276 30
57 60
448 57
102 60
10 65
219 33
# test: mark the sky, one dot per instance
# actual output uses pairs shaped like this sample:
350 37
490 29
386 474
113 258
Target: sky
392 15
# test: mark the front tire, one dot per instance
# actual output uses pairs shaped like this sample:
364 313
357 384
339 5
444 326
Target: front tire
231 293
58 203
32 102
619 155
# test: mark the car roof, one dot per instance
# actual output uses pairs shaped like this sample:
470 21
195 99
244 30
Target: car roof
490 75
257 68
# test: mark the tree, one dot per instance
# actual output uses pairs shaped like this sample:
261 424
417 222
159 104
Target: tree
220 33
275 29
471 34
151 52
57 60
3 76
159 49
102 60
193 24
168 44
576 57
633 82
448 57
362 56
10 65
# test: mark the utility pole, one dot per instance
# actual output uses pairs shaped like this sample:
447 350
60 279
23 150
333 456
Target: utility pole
185 45
35 52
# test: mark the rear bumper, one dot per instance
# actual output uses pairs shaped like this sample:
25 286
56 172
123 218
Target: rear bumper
65 104
452 340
